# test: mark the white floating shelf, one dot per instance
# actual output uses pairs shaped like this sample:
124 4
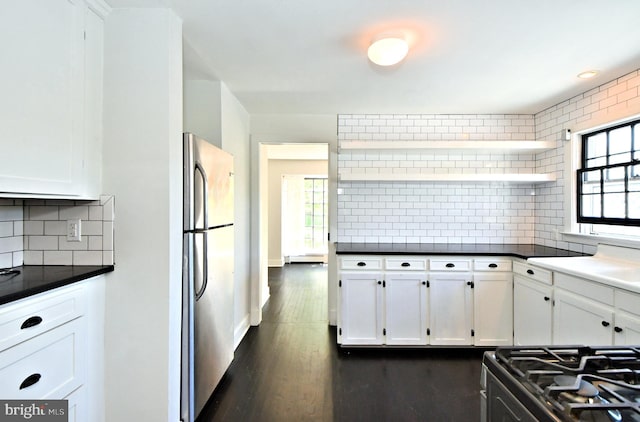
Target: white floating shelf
469 145
457 177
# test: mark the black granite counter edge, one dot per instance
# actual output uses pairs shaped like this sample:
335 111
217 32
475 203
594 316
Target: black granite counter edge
523 251
34 279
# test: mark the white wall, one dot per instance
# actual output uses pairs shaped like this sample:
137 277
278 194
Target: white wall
277 169
235 139
142 160
202 109
293 127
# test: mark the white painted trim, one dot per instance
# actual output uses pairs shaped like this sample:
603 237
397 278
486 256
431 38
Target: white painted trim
278 262
240 331
594 240
99 7
308 258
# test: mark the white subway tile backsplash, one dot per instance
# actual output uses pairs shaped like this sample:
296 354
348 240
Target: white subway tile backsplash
43 243
34 227
432 212
56 228
6 228
57 258
6 260
86 257
41 212
74 212
33 232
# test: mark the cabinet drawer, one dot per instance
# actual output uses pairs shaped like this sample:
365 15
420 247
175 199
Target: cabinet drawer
492 265
596 291
533 272
361 263
413 264
27 318
627 301
48 366
439 264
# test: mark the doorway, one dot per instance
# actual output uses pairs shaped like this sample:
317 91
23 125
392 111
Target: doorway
275 161
297 202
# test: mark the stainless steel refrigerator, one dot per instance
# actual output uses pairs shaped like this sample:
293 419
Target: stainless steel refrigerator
207 275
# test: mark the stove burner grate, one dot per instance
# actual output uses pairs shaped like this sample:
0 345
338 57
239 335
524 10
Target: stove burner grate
579 383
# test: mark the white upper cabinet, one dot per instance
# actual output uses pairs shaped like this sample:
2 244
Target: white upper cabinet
51 102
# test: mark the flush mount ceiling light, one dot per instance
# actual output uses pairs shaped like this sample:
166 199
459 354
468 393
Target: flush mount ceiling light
588 74
388 50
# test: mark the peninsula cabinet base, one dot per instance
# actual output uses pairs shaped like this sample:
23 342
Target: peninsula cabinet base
420 301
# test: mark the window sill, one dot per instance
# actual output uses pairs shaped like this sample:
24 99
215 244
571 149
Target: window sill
595 239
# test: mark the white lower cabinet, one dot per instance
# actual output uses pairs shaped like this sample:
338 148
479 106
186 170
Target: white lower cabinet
580 320
44 350
453 301
493 309
395 301
77 408
360 308
379 308
532 312
451 309
626 329
405 298
50 365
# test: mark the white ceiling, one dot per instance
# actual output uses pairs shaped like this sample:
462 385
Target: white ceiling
466 56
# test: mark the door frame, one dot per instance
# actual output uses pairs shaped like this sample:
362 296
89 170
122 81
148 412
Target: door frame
259 224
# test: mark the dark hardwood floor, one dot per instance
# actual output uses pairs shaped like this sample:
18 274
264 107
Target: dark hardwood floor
290 368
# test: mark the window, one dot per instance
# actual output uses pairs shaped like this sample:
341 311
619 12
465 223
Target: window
315 214
609 180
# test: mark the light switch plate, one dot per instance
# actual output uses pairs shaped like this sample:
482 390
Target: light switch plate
74 232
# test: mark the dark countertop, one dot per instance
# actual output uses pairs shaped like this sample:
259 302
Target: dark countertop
485 249
34 279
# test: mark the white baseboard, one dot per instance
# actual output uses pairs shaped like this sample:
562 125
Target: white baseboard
333 317
307 258
276 262
240 331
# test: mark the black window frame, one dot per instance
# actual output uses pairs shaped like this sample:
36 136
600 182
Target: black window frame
604 170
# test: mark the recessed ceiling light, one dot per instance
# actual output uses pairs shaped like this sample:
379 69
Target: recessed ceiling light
588 74
388 50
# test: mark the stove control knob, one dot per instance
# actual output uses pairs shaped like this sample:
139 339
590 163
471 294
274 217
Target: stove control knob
605 324
617 329
547 298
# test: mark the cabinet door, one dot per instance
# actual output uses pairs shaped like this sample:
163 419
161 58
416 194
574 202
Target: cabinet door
93 90
532 312
406 308
360 308
49 140
578 320
77 405
493 309
450 309
627 329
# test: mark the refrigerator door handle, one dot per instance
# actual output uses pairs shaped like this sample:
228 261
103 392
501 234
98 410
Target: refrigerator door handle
205 264
205 192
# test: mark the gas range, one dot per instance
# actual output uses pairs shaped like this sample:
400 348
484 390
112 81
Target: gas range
562 383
